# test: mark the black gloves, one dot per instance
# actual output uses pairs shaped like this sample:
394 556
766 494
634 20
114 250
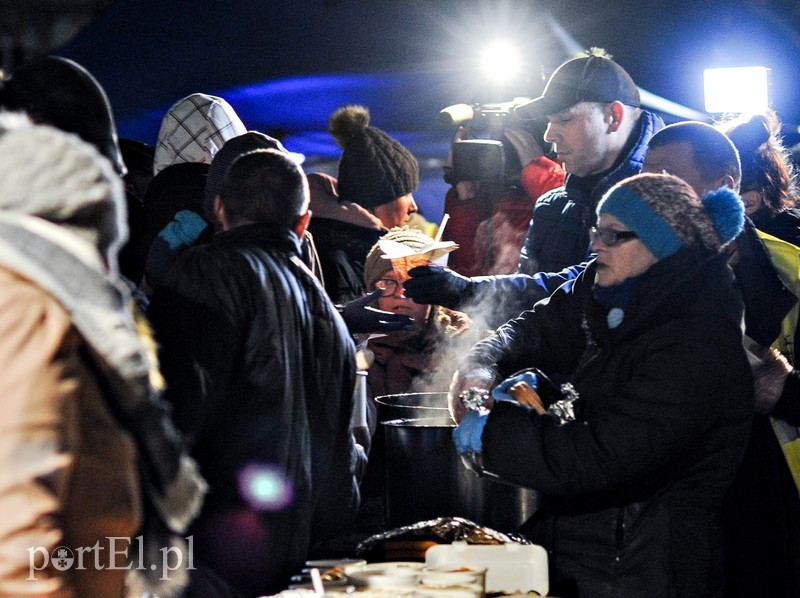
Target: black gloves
437 285
360 318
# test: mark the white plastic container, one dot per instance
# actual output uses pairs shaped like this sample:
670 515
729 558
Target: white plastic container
509 567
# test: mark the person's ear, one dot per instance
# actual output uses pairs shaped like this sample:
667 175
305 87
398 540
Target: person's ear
616 113
301 224
220 220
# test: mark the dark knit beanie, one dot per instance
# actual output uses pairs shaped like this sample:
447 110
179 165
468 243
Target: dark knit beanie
666 213
60 92
222 160
376 266
374 168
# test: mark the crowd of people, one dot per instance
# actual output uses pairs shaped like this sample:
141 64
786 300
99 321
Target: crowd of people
184 324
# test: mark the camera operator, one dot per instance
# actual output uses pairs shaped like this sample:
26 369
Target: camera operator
497 169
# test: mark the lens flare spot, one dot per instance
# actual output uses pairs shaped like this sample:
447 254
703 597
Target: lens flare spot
264 487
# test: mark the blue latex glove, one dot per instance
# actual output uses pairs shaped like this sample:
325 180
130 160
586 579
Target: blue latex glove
467 435
500 392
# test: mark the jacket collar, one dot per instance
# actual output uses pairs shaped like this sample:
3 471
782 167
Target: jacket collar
264 235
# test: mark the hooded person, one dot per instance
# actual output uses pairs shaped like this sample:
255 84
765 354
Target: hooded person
634 456
194 129
180 202
377 177
89 459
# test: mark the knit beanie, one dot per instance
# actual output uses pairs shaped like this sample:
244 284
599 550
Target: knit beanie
221 163
666 213
60 92
374 168
56 176
376 266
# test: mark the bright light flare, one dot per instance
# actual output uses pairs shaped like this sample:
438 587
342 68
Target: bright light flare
265 488
501 61
741 90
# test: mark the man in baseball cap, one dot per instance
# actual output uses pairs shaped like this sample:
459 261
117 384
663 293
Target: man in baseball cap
600 134
587 79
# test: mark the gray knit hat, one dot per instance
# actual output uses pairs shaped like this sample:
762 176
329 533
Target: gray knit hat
374 168
58 177
666 214
376 266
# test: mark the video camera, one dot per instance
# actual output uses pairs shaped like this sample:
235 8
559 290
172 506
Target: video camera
480 151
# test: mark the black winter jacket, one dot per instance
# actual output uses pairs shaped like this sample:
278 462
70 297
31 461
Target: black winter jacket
260 371
634 486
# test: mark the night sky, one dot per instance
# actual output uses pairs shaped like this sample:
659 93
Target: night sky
286 65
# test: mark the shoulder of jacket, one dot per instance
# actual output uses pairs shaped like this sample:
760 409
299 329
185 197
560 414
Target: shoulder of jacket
24 304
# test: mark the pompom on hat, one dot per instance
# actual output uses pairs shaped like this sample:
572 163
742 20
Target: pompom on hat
666 214
374 168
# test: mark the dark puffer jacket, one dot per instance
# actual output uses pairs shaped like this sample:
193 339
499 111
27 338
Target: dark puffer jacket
634 486
558 235
343 249
260 370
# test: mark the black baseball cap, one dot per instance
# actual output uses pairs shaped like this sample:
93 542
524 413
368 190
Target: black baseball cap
585 79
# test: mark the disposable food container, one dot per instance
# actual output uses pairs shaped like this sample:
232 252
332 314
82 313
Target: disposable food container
509 567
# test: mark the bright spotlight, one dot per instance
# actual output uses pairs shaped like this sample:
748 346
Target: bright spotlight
500 61
741 90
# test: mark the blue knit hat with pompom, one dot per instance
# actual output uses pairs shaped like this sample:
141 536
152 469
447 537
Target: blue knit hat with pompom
666 213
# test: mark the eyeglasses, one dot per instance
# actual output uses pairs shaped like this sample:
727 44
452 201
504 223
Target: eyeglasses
611 237
388 286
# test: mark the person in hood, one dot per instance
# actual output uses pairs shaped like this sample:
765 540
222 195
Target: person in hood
194 129
91 467
192 132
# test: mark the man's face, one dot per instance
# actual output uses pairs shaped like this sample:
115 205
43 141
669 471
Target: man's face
678 160
581 138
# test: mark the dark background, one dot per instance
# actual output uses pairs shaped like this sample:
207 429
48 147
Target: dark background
286 65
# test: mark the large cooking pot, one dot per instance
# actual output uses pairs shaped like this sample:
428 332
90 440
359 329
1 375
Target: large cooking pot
412 405
425 478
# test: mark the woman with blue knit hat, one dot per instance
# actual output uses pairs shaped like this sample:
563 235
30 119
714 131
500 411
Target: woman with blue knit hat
633 454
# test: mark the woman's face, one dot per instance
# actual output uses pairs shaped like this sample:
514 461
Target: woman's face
752 202
626 258
396 302
397 212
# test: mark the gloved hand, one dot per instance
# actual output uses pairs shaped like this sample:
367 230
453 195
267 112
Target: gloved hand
500 392
360 318
467 434
182 232
437 285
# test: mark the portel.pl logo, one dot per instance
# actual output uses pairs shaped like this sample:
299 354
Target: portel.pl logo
109 555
